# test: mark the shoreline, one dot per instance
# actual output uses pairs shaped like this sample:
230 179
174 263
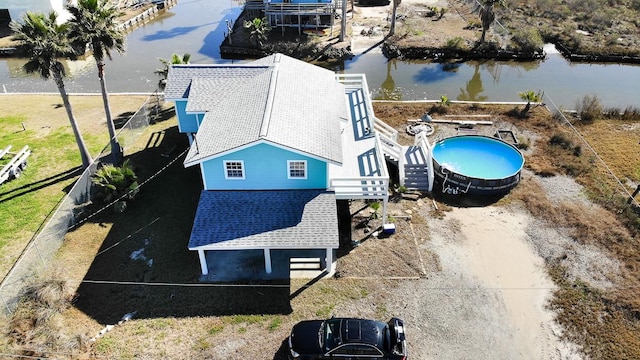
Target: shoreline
375 18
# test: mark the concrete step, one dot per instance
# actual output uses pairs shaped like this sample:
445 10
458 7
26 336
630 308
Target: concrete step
305 264
416 183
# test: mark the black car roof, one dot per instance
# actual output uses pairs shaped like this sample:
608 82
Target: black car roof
361 331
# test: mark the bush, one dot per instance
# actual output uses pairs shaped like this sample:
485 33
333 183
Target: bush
629 113
527 40
34 324
590 109
455 43
561 141
473 24
114 182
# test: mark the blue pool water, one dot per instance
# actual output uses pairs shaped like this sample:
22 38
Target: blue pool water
478 157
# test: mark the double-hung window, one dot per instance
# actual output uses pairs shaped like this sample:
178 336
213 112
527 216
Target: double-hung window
234 169
297 169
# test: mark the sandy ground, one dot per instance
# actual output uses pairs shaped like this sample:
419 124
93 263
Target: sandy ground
377 20
488 247
488 299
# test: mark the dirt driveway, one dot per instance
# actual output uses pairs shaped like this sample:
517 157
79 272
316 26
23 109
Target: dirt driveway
485 291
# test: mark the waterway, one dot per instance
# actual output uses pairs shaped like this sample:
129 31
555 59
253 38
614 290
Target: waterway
198 27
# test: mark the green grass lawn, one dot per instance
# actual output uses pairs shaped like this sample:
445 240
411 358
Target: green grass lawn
54 163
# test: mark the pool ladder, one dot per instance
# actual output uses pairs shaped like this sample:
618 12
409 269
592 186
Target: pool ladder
452 190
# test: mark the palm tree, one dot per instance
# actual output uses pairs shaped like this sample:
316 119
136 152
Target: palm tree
258 31
43 42
166 64
487 16
94 25
530 96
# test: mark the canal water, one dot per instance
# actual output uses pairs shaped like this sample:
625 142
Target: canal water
198 27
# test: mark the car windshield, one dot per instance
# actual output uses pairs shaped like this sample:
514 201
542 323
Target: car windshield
330 334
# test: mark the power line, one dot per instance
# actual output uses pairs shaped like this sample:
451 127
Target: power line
128 237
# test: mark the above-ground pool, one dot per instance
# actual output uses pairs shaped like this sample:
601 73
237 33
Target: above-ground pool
476 165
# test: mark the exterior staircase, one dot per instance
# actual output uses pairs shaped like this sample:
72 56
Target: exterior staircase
415 164
416 169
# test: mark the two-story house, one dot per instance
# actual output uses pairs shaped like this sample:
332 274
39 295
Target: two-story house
278 141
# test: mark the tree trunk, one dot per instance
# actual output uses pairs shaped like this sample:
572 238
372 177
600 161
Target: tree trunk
526 109
84 152
343 21
116 149
392 28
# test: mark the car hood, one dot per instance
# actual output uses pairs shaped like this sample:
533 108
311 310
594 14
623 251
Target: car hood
304 337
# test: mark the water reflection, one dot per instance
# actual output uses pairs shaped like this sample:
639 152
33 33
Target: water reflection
474 87
197 27
388 89
434 72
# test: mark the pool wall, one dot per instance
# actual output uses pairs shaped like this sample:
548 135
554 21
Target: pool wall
455 183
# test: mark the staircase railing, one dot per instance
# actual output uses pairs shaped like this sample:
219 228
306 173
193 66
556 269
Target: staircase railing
383 128
422 141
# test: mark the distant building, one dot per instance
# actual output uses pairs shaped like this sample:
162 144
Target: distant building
12 10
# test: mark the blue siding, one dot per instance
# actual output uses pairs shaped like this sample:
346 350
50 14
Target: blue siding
186 122
265 168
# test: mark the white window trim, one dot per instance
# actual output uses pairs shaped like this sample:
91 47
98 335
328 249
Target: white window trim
226 173
306 170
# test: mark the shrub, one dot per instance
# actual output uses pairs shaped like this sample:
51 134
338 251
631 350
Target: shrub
442 12
629 113
34 324
442 106
530 96
258 29
473 24
523 143
527 40
114 182
455 43
561 141
590 109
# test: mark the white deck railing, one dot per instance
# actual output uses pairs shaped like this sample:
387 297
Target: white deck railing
358 81
368 187
364 187
286 8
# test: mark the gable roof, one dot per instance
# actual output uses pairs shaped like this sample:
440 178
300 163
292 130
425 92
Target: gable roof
276 99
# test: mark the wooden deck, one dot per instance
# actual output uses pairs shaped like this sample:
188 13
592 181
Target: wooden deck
363 174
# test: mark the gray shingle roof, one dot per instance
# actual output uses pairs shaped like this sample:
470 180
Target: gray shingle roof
180 77
276 99
299 219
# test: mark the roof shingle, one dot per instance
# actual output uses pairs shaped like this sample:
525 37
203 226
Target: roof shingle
228 220
296 105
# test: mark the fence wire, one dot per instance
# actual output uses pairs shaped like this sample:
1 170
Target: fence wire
46 242
619 188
